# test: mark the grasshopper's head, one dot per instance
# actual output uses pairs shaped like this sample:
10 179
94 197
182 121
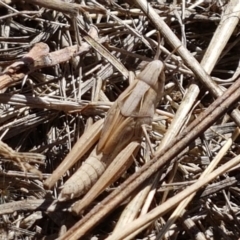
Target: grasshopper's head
153 75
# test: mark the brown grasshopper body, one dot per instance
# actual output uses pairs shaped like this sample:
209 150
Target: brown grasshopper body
134 108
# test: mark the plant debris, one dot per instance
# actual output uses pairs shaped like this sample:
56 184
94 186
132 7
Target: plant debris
63 64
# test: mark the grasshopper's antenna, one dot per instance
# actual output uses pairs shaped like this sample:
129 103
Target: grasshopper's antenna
158 52
171 53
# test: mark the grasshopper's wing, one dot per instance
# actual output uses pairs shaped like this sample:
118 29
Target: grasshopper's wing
108 126
118 135
114 123
121 137
132 104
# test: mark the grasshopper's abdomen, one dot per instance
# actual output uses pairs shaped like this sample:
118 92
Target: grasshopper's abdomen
84 178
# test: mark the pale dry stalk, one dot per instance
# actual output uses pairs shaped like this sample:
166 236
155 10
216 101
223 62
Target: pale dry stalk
53 103
65 7
26 204
225 29
42 102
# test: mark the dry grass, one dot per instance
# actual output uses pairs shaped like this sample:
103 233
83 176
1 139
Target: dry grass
62 66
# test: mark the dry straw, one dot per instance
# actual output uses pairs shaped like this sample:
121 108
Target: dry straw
124 113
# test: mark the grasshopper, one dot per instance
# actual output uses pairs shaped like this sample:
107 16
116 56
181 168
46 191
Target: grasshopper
124 124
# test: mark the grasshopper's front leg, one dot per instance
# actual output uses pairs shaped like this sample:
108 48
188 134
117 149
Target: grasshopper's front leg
134 107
